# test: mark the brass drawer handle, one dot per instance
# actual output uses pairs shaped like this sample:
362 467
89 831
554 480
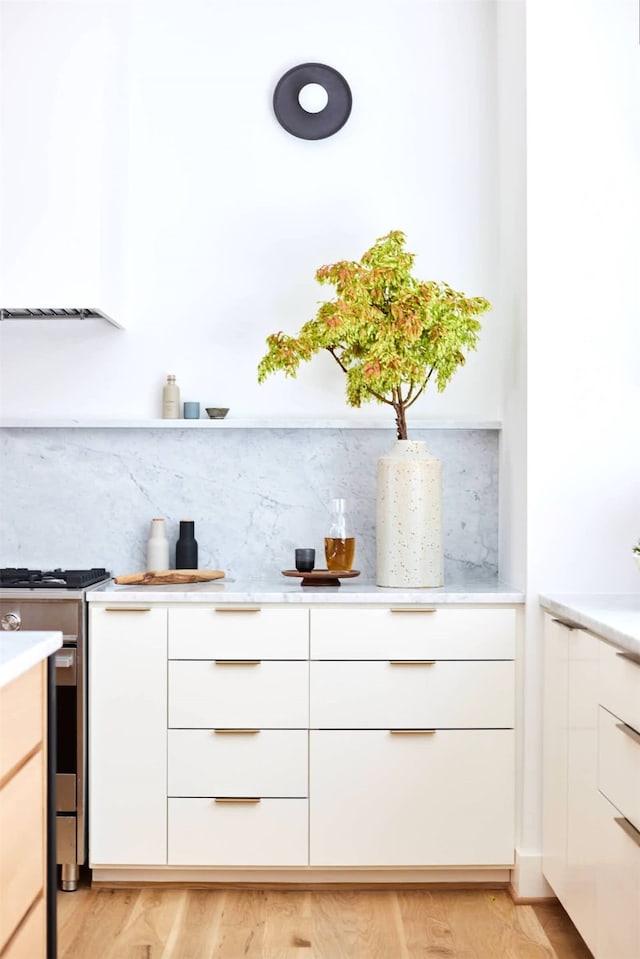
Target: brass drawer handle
237 609
627 827
412 662
237 662
127 609
236 732
414 609
630 657
629 731
412 732
238 799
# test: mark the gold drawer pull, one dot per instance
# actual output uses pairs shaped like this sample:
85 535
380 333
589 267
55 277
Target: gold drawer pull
630 657
627 827
412 732
127 609
237 662
412 662
629 731
236 732
237 609
238 799
414 609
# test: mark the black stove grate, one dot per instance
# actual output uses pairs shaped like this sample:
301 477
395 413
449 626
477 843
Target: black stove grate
52 579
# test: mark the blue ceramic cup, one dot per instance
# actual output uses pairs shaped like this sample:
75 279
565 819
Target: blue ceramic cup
191 411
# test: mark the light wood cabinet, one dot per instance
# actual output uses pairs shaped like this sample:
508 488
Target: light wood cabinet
23 799
591 787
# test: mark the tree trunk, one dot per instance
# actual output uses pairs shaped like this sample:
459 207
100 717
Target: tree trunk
401 422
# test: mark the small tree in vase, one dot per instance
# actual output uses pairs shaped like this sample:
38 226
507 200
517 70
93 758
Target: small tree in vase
391 335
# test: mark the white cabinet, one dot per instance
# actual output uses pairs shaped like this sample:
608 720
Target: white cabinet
238 737
570 808
412 748
238 832
127 735
591 787
297 737
618 886
618 778
230 693
411 798
555 743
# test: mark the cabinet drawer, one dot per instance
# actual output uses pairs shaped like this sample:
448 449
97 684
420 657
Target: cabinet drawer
620 684
228 632
29 941
21 717
618 898
21 844
253 694
271 832
383 695
413 633
267 762
379 799
619 765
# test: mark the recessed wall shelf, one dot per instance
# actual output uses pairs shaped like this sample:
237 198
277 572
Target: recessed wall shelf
260 423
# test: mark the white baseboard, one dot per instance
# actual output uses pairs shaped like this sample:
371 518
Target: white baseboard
527 880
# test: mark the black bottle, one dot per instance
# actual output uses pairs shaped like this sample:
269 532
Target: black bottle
186 546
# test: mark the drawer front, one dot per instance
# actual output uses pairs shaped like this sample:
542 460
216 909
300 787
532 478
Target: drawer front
29 941
413 633
385 695
618 896
620 684
21 829
379 799
228 632
267 762
271 832
619 765
21 717
254 694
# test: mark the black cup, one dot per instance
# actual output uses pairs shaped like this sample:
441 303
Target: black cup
305 560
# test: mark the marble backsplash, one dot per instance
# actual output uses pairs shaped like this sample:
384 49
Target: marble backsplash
76 498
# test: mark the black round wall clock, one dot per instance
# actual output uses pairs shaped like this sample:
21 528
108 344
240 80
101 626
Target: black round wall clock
300 122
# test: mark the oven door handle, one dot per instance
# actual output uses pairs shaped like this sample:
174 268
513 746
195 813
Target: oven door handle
64 660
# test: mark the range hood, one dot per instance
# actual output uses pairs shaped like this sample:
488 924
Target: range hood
56 314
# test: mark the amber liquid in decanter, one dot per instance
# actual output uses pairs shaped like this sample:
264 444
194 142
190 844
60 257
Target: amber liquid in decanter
339 552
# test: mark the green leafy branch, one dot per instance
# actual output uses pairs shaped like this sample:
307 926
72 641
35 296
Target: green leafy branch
389 333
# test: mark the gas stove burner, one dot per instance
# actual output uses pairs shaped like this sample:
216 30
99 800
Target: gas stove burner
52 579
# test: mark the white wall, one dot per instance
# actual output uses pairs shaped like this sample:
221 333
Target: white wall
583 334
143 172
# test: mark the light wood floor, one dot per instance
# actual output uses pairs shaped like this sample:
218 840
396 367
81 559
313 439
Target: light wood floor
166 923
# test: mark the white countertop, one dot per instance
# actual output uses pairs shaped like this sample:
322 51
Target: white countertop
289 590
614 616
20 650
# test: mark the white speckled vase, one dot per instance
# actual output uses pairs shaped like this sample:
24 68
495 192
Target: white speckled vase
409 517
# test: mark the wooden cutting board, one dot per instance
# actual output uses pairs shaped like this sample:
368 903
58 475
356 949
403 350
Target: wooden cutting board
167 577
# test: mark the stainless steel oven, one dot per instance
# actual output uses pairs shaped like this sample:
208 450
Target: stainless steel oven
52 602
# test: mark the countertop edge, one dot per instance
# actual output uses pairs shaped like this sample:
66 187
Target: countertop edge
19 651
575 611
347 593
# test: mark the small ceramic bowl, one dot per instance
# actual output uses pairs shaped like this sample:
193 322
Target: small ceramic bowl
217 412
